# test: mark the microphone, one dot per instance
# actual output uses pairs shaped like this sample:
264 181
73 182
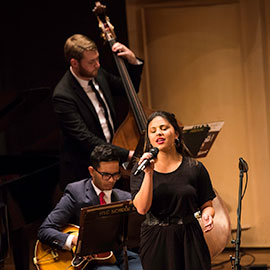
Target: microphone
243 166
154 151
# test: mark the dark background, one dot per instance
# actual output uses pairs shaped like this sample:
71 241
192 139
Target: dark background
33 34
32 62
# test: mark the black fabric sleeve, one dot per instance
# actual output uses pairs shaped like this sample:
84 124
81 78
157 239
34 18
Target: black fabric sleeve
74 125
204 186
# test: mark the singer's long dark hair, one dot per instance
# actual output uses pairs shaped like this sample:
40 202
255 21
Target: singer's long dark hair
170 117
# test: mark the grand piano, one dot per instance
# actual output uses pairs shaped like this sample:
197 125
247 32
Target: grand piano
29 167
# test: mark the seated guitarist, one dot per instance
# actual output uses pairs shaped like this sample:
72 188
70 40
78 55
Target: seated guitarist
104 171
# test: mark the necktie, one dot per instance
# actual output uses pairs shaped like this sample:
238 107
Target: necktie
101 102
101 198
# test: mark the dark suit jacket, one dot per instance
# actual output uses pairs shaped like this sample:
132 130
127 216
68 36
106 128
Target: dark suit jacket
79 123
77 195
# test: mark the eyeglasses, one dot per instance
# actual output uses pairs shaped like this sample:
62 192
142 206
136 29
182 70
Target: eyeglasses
107 176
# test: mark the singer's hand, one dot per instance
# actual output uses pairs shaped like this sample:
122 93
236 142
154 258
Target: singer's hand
130 154
207 221
147 161
149 168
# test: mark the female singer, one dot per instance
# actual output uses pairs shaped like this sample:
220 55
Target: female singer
169 192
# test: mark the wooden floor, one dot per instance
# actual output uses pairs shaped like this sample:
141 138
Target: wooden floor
249 256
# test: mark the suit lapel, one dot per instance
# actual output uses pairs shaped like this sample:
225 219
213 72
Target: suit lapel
91 193
114 196
78 90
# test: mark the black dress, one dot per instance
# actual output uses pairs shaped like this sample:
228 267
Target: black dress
177 195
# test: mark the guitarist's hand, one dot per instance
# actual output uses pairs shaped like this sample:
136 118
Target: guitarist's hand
74 241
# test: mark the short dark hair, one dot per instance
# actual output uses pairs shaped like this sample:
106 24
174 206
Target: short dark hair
104 152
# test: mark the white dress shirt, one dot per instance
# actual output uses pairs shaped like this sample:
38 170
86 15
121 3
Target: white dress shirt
99 109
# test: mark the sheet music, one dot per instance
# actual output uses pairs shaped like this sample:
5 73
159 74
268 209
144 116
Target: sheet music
200 137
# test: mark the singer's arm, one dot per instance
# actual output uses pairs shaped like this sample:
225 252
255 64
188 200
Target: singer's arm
143 199
208 213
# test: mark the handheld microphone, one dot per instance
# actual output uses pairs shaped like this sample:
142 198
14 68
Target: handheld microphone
146 162
243 166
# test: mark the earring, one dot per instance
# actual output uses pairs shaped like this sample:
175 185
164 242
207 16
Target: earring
177 142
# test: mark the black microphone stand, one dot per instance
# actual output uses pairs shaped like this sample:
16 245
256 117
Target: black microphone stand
243 167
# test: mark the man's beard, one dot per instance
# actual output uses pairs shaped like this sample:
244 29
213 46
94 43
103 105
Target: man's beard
84 73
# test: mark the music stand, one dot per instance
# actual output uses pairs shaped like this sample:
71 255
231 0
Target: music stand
199 138
105 228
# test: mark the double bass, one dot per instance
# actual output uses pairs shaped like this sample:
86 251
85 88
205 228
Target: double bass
133 129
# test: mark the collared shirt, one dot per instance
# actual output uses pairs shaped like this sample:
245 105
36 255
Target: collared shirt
107 193
107 198
99 109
